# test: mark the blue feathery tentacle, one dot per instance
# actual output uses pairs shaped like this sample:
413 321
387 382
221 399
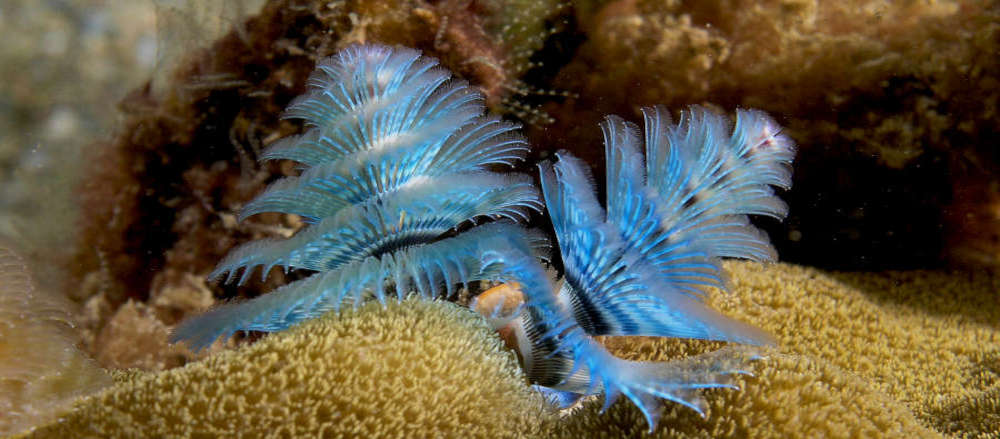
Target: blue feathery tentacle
324 189
431 270
396 155
613 289
648 384
375 97
381 117
413 214
640 267
558 353
700 184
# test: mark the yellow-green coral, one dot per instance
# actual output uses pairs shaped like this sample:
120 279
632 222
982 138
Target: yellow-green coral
903 354
906 354
791 396
923 338
403 371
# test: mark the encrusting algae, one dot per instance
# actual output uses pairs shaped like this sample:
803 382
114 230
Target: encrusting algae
908 354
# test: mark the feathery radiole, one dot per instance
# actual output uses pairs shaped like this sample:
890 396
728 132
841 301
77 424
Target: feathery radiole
398 154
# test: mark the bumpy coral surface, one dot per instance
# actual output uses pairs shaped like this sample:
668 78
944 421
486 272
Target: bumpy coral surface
410 369
908 354
792 396
890 355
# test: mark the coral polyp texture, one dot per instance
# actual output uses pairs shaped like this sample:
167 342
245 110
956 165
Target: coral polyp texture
914 355
886 375
406 369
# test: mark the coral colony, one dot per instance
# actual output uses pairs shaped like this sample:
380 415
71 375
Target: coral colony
398 155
